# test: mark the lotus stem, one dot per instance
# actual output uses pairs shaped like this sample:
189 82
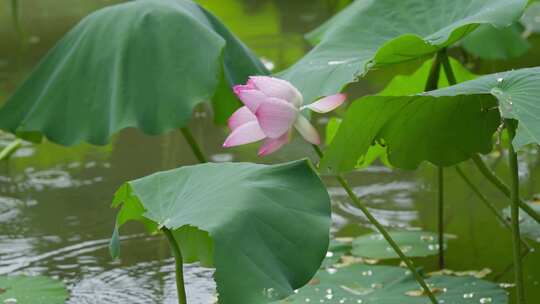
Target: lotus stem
447 68
440 178
498 277
21 35
180 286
10 149
499 184
514 196
433 78
489 205
432 84
197 151
16 19
356 201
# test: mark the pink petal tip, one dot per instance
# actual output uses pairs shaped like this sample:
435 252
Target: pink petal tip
327 104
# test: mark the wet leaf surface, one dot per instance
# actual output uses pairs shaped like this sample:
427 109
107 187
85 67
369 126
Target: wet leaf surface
412 243
31 290
367 284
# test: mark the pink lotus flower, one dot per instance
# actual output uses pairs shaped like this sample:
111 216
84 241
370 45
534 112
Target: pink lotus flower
272 108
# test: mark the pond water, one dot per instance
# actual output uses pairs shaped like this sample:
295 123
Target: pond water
55 215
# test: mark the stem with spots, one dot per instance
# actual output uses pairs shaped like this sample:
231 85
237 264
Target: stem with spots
356 201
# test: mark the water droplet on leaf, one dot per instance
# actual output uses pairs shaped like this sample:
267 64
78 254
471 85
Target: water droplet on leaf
468 295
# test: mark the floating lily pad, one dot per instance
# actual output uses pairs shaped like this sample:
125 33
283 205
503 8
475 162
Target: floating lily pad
370 34
528 226
412 243
143 64
246 220
444 127
331 259
367 284
336 250
479 274
31 290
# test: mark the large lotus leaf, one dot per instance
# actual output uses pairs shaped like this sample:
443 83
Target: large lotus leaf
34 290
374 152
490 43
373 33
264 228
142 64
528 226
416 82
531 18
367 284
412 243
445 126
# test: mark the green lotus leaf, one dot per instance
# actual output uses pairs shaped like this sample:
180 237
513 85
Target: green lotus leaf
369 284
528 226
264 228
412 243
531 18
376 151
415 83
143 64
375 33
444 126
35 290
490 43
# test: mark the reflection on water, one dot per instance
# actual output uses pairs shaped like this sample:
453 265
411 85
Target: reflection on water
55 217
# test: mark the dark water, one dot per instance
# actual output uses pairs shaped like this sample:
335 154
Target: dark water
55 217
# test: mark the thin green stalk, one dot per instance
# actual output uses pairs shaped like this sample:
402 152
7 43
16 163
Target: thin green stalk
440 178
498 277
433 78
489 205
499 184
21 35
194 145
179 265
343 182
432 84
518 267
10 149
448 68
514 194
16 19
